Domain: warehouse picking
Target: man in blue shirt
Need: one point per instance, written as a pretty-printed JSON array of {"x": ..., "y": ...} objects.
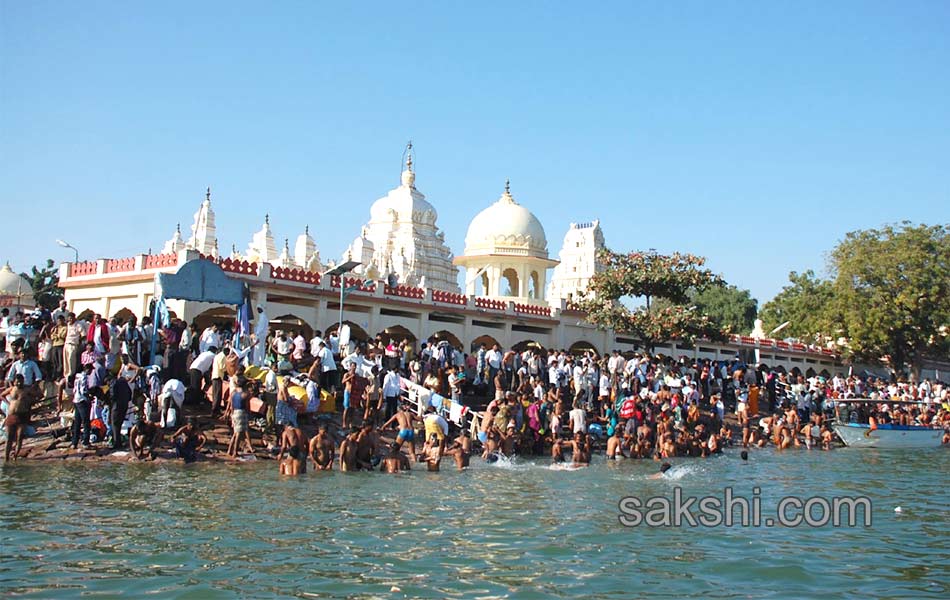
[{"x": 26, "y": 367}]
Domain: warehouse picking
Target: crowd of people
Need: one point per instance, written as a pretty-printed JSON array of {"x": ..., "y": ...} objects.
[{"x": 128, "y": 385}]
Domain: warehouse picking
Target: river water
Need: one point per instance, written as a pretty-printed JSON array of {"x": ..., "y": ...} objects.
[{"x": 519, "y": 530}]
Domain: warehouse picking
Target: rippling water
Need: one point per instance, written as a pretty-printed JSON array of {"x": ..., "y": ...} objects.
[{"x": 518, "y": 530}]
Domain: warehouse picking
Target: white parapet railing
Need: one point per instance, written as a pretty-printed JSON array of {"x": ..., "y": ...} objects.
[{"x": 420, "y": 398}]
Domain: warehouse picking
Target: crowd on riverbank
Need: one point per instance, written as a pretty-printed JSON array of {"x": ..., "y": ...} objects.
[{"x": 102, "y": 380}]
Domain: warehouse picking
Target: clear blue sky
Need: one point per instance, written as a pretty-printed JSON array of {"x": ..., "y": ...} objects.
[{"x": 756, "y": 134}]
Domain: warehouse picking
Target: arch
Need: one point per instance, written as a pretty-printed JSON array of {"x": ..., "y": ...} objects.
[
  {"x": 488, "y": 340},
  {"x": 509, "y": 277},
  {"x": 291, "y": 322},
  {"x": 356, "y": 332},
  {"x": 526, "y": 344},
  {"x": 534, "y": 286},
  {"x": 222, "y": 315},
  {"x": 779, "y": 369},
  {"x": 123, "y": 315},
  {"x": 795, "y": 371},
  {"x": 810, "y": 373},
  {"x": 581, "y": 346},
  {"x": 86, "y": 315},
  {"x": 825, "y": 373},
  {"x": 445, "y": 335},
  {"x": 397, "y": 333}
]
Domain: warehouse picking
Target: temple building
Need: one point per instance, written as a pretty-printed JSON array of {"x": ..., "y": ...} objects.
[
  {"x": 506, "y": 252},
  {"x": 402, "y": 239},
  {"x": 578, "y": 262},
  {"x": 406, "y": 284}
]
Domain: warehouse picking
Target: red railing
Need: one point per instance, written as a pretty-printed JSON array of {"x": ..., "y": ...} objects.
[
  {"x": 299, "y": 275},
  {"x": 490, "y": 304},
  {"x": 159, "y": 261},
  {"x": 448, "y": 297},
  {"x": 799, "y": 346},
  {"x": 531, "y": 309},
  {"x": 120, "y": 265},
  {"x": 405, "y": 291},
  {"x": 234, "y": 266},
  {"x": 82, "y": 268},
  {"x": 360, "y": 284}
]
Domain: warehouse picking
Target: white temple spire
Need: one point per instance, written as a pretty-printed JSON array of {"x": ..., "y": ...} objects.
[
  {"x": 202, "y": 229},
  {"x": 175, "y": 244},
  {"x": 262, "y": 248}
]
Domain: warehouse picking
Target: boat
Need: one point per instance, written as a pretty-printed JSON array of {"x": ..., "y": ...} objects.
[{"x": 884, "y": 435}]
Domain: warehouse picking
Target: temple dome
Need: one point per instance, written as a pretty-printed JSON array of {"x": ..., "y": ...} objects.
[
  {"x": 15, "y": 287},
  {"x": 405, "y": 202},
  {"x": 506, "y": 227}
]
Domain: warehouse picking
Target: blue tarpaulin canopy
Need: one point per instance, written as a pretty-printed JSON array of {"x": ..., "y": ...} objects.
[{"x": 201, "y": 281}]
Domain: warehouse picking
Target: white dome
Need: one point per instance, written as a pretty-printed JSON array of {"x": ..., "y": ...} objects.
[
  {"x": 15, "y": 287},
  {"x": 408, "y": 203},
  {"x": 506, "y": 227}
]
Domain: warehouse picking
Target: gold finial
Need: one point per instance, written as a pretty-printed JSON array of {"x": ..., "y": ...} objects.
[
  {"x": 507, "y": 186},
  {"x": 208, "y": 194},
  {"x": 266, "y": 219},
  {"x": 178, "y": 228},
  {"x": 233, "y": 248},
  {"x": 409, "y": 156}
]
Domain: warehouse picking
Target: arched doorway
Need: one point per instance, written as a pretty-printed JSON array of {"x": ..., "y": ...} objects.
[
  {"x": 396, "y": 333},
  {"x": 580, "y": 347},
  {"x": 488, "y": 340},
  {"x": 222, "y": 315},
  {"x": 357, "y": 333},
  {"x": 291, "y": 322},
  {"x": 85, "y": 315},
  {"x": 438, "y": 336},
  {"x": 528, "y": 344},
  {"x": 123, "y": 315}
]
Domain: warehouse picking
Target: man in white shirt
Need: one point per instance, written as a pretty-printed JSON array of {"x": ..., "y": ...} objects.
[
  {"x": 200, "y": 367},
  {"x": 315, "y": 344},
  {"x": 493, "y": 360},
  {"x": 327, "y": 368},
  {"x": 260, "y": 334},
  {"x": 172, "y": 391},
  {"x": 209, "y": 337},
  {"x": 578, "y": 419},
  {"x": 392, "y": 388}
]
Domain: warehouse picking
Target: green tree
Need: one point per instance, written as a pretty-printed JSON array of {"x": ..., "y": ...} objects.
[
  {"x": 807, "y": 303},
  {"x": 892, "y": 287},
  {"x": 651, "y": 277},
  {"x": 45, "y": 283},
  {"x": 731, "y": 309}
]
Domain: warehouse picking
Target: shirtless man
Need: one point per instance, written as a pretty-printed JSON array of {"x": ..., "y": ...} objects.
[
  {"x": 321, "y": 450},
  {"x": 372, "y": 399},
  {"x": 614, "y": 443},
  {"x": 644, "y": 440},
  {"x": 294, "y": 442},
  {"x": 403, "y": 420},
  {"x": 461, "y": 450},
  {"x": 145, "y": 434},
  {"x": 189, "y": 441},
  {"x": 348, "y": 451},
  {"x": 557, "y": 450},
  {"x": 348, "y": 382},
  {"x": 366, "y": 443},
  {"x": 663, "y": 469},
  {"x": 508, "y": 440},
  {"x": 17, "y": 418},
  {"x": 432, "y": 452},
  {"x": 396, "y": 462},
  {"x": 581, "y": 450}
]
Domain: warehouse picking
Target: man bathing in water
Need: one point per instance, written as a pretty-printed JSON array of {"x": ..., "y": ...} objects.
[
  {"x": 293, "y": 441},
  {"x": 461, "y": 450},
  {"x": 145, "y": 434},
  {"x": 321, "y": 450},
  {"x": 407, "y": 435},
  {"x": 432, "y": 452},
  {"x": 189, "y": 441},
  {"x": 581, "y": 450},
  {"x": 348, "y": 451},
  {"x": 366, "y": 443},
  {"x": 615, "y": 445},
  {"x": 395, "y": 462},
  {"x": 18, "y": 415},
  {"x": 663, "y": 469}
]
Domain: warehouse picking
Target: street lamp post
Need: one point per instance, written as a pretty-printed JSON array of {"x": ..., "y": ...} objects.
[
  {"x": 68, "y": 245},
  {"x": 340, "y": 269}
]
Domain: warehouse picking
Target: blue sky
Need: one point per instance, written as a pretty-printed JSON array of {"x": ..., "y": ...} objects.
[{"x": 756, "y": 134}]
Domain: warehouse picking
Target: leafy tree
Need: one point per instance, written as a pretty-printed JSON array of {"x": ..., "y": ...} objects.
[
  {"x": 892, "y": 287},
  {"x": 808, "y": 304},
  {"x": 731, "y": 309},
  {"x": 45, "y": 283},
  {"x": 650, "y": 276}
]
